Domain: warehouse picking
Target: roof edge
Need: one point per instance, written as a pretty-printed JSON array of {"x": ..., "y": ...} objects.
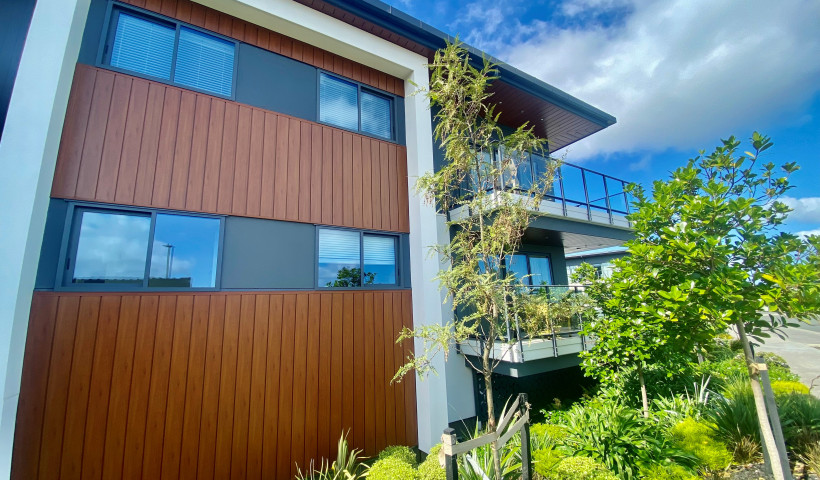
[{"x": 386, "y": 16}]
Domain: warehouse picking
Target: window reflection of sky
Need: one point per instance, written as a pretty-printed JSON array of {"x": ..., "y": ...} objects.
[
  {"x": 185, "y": 247},
  {"x": 112, "y": 247}
]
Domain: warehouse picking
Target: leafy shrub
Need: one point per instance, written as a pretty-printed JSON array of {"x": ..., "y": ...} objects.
[
  {"x": 811, "y": 457},
  {"x": 697, "y": 438},
  {"x": 581, "y": 468},
  {"x": 545, "y": 460},
  {"x": 668, "y": 472},
  {"x": 477, "y": 464},
  {"x": 734, "y": 420},
  {"x": 785, "y": 387},
  {"x": 430, "y": 468},
  {"x": 546, "y": 435},
  {"x": 347, "y": 465},
  {"x": 391, "y": 468},
  {"x": 735, "y": 368},
  {"x": 400, "y": 452},
  {"x": 800, "y": 417},
  {"x": 610, "y": 432}
]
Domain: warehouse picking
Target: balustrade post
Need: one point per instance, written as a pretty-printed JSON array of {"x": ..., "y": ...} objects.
[
  {"x": 450, "y": 462},
  {"x": 526, "y": 460}
]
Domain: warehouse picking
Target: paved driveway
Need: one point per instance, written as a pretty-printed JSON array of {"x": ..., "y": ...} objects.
[{"x": 801, "y": 348}]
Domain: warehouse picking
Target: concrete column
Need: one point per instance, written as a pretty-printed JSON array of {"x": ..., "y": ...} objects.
[
  {"x": 425, "y": 231},
  {"x": 28, "y": 153}
]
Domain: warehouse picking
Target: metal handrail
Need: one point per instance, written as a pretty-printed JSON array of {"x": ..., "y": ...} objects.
[{"x": 589, "y": 204}]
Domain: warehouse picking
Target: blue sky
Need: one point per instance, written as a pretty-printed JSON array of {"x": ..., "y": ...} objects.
[{"x": 679, "y": 75}]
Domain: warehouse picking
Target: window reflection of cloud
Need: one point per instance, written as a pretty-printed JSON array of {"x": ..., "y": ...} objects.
[{"x": 112, "y": 246}]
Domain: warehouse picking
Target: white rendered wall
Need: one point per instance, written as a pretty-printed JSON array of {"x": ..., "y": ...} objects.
[
  {"x": 28, "y": 153},
  {"x": 315, "y": 28}
]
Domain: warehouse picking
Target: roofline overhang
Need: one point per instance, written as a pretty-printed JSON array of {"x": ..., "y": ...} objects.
[{"x": 413, "y": 29}]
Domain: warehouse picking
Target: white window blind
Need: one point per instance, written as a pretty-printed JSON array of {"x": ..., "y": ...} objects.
[
  {"x": 204, "y": 62},
  {"x": 376, "y": 115},
  {"x": 338, "y": 102},
  {"x": 143, "y": 46},
  {"x": 380, "y": 258}
]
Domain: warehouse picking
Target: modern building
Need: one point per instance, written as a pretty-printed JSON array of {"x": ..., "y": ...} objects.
[
  {"x": 210, "y": 238},
  {"x": 600, "y": 259}
]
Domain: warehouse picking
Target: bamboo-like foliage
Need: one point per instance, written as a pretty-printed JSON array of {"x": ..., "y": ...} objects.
[{"x": 478, "y": 179}]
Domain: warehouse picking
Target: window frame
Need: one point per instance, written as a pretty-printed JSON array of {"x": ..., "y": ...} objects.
[
  {"x": 112, "y": 13},
  {"x": 527, "y": 254},
  {"x": 359, "y": 88},
  {"x": 69, "y": 243},
  {"x": 376, "y": 286}
]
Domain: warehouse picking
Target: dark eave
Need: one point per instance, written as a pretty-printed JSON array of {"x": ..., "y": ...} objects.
[{"x": 555, "y": 114}]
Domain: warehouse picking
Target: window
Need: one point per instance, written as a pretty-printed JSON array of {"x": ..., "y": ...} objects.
[
  {"x": 171, "y": 52},
  {"x": 533, "y": 270},
  {"x": 136, "y": 249},
  {"x": 348, "y": 105},
  {"x": 343, "y": 252}
]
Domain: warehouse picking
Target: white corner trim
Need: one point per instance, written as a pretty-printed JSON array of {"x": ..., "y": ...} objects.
[{"x": 28, "y": 153}]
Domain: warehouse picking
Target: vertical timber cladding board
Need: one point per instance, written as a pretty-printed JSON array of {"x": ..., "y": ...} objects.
[
  {"x": 132, "y": 141},
  {"x": 208, "y": 385},
  {"x": 224, "y": 24}
]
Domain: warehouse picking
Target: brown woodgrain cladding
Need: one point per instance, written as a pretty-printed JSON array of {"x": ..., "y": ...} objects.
[
  {"x": 132, "y": 141},
  {"x": 224, "y": 24},
  {"x": 208, "y": 385}
]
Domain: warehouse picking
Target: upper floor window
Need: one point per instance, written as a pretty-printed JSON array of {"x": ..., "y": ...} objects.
[
  {"x": 348, "y": 105},
  {"x": 135, "y": 249},
  {"x": 169, "y": 51},
  {"x": 349, "y": 258}
]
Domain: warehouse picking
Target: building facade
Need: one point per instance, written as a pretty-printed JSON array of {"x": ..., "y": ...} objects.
[{"x": 212, "y": 240}]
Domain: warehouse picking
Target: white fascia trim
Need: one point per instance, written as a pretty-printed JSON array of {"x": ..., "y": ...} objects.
[
  {"x": 315, "y": 28},
  {"x": 323, "y": 31}
]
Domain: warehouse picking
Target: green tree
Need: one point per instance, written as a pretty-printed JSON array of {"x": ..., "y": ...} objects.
[
  {"x": 708, "y": 254},
  {"x": 477, "y": 180}
]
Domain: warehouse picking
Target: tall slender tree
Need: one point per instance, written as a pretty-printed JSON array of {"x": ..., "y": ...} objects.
[{"x": 487, "y": 208}]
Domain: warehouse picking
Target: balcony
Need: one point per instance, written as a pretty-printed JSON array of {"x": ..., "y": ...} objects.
[
  {"x": 576, "y": 193},
  {"x": 556, "y": 333}
]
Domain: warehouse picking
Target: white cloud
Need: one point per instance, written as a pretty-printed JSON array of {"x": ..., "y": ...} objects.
[
  {"x": 805, "y": 210},
  {"x": 807, "y": 233},
  {"x": 676, "y": 74}
]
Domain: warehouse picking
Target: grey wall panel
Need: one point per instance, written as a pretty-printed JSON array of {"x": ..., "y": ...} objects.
[
  {"x": 52, "y": 241},
  {"x": 16, "y": 17},
  {"x": 92, "y": 36},
  {"x": 401, "y": 137},
  {"x": 273, "y": 82},
  {"x": 268, "y": 254}
]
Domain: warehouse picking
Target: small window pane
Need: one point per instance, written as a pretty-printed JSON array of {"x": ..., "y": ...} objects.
[
  {"x": 541, "y": 272},
  {"x": 339, "y": 258},
  {"x": 379, "y": 260},
  {"x": 376, "y": 115},
  {"x": 184, "y": 254},
  {"x": 111, "y": 248},
  {"x": 204, "y": 62},
  {"x": 143, "y": 46},
  {"x": 338, "y": 102},
  {"x": 517, "y": 265}
]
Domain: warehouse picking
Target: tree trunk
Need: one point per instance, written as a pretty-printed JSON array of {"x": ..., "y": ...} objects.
[
  {"x": 644, "y": 399},
  {"x": 488, "y": 388},
  {"x": 760, "y": 406}
]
